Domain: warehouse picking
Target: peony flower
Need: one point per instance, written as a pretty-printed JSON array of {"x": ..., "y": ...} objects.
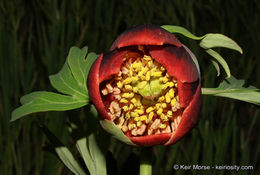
[{"x": 146, "y": 89}]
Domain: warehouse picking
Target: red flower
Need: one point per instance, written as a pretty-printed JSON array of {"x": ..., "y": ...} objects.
[{"x": 147, "y": 88}]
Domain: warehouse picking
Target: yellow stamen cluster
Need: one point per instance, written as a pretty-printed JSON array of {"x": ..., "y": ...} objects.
[{"x": 139, "y": 115}]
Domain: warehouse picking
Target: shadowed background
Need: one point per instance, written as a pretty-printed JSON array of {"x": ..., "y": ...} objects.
[{"x": 35, "y": 37}]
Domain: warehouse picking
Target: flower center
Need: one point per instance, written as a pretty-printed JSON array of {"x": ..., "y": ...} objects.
[{"x": 142, "y": 99}]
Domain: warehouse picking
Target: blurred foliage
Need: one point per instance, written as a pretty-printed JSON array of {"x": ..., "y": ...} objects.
[{"x": 35, "y": 37}]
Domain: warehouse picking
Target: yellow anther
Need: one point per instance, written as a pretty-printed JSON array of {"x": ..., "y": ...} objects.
[
  {"x": 145, "y": 70},
  {"x": 164, "y": 117},
  {"x": 148, "y": 76},
  {"x": 137, "y": 119},
  {"x": 150, "y": 116},
  {"x": 139, "y": 111},
  {"x": 137, "y": 64},
  {"x": 156, "y": 74},
  {"x": 143, "y": 77},
  {"x": 131, "y": 72},
  {"x": 159, "y": 111},
  {"x": 171, "y": 84},
  {"x": 164, "y": 86},
  {"x": 131, "y": 126},
  {"x": 131, "y": 106},
  {"x": 125, "y": 108},
  {"x": 134, "y": 79},
  {"x": 169, "y": 113},
  {"x": 127, "y": 80},
  {"x": 147, "y": 58},
  {"x": 150, "y": 109},
  {"x": 162, "y": 68},
  {"x": 134, "y": 114},
  {"x": 142, "y": 84},
  {"x": 154, "y": 69},
  {"x": 127, "y": 116},
  {"x": 135, "y": 89},
  {"x": 128, "y": 87},
  {"x": 126, "y": 95},
  {"x": 171, "y": 93},
  {"x": 162, "y": 126},
  {"x": 150, "y": 64},
  {"x": 133, "y": 100},
  {"x": 119, "y": 85},
  {"x": 173, "y": 102},
  {"x": 177, "y": 98},
  {"x": 158, "y": 105},
  {"x": 143, "y": 118},
  {"x": 163, "y": 79},
  {"x": 167, "y": 98},
  {"x": 123, "y": 100},
  {"x": 161, "y": 99},
  {"x": 131, "y": 95},
  {"x": 124, "y": 128},
  {"x": 139, "y": 123},
  {"x": 164, "y": 105}
]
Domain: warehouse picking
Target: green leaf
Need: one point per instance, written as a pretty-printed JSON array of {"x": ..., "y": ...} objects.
[
  {"x": 42, "y": 101},
  {"x": 71, "y": 81},
  {"x": 212, "y": 40},
  {"x": 233, "y": 88},
  {"x": 115, "y": 131},
  {"x": 63, "y": 152},
  {"x": 69, "y": 161},
  {"x": 93, "y": 147},
  {"x": 181, "y": 30},
  {"x": 221, "y": 61},
  {"x": 215, "y": 64}
]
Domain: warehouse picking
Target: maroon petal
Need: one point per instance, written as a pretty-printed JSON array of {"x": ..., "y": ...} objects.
[
  {"x": 93, "y": 88},
  {"x": 151, "y": 140},
  {"x": 145, "y": 35},
  {"x": 189, "y": 117},
  {"x": 111, "y": 64},
  {"x": 186, "y": 92},
  {"x": 177, "y": 62}
]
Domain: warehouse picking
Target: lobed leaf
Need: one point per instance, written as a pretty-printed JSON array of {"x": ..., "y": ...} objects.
[
  {"x": 71, "y": 80},
  {"x": 233, "y": 88}
]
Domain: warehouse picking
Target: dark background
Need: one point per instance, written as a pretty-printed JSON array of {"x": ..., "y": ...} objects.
[{"x": 35, "y": 37}]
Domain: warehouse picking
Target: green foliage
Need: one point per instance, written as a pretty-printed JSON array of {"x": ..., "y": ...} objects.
[
  {"x": 63, "y": 153},
  {"x": 90, "y": 147},
  {"x": 71, "y": 80},
  {"x": 208, "y": 42},
  {"x": 233, "y": 88},
  {"x": 181, "y": 30}
]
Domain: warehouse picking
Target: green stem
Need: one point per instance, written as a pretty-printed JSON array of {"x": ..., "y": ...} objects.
[{"x": 146, "y": 161}]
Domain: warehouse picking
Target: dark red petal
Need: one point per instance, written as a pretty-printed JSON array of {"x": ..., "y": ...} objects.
[
  {"x": 186, "y": 92},
  {"x": 111, "y": 64},
  {"x": 189, "y": 117},
  {"x": 177, "y": 63},
  {"x": 145, "y": 35},
  {"x": 93, "y": 88},
  {"x": 151, "y": 140}
]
